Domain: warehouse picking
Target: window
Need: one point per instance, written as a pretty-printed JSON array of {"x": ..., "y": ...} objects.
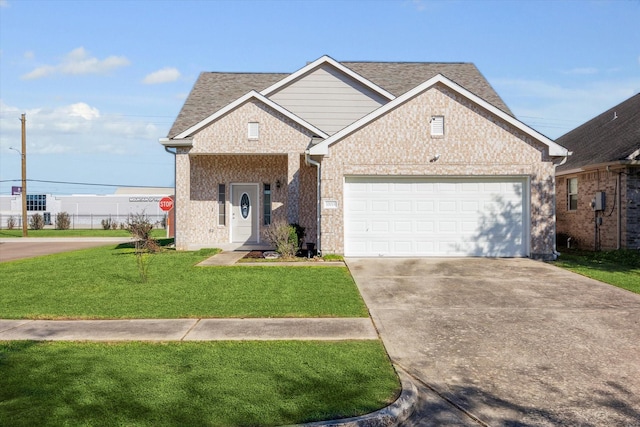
[
  {"x": 266, "y": 203},
  {"x": 572, "y": 191},
  {"x": 222, "y": 207},
  {"x": 437, "y": 125},
  {"x": 254, "y": 130},
  {"x": 36, "y": 202}
]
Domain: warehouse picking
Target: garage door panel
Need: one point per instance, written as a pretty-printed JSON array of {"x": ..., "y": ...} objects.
[
  {"x": 380, "y": 206},
  {"x": 425, "y": 226},
  {"x": 402, "y": 206},
  {"x": 380, "y": 226},
  {"x": 403, "y": 226},
  {"x": 435, "y": 217},
  {"x": 447, "y": 206}
]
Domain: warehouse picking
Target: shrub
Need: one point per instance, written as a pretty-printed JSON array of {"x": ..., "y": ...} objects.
[
  {"x": 299, "y": 231},
  {"x": 63, "y": 221},
  {"x": 284, "y": 238},
  {"x": 11, "y": 222},
  {"x": 106, "y": 224},
  {"x": 36, "y": 222}
]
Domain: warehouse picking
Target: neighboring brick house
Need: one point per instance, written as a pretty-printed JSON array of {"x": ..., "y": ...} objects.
[
  {"x": 598, "y": 203},
  {"x": 372, "y": 158}
]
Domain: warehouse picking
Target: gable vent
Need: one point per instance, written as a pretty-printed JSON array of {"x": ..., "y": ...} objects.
[
  {"x": 437, "y": 125},
  {"x": 254, "y": 130}
]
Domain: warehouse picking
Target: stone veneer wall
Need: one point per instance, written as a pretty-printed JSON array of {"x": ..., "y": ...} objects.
[
  {"x": 475, "y": 143},
  {"x": 580, "y": 224},
  {"x": 222, "y": 153}
]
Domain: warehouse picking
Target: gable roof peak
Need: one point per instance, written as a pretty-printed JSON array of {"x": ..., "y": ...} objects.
[{"x": 326, "y": 59}]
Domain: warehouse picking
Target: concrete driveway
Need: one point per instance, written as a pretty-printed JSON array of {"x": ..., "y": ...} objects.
[
  {"x": 507, "y": 342},
  {"x": 30, "y": 247}
]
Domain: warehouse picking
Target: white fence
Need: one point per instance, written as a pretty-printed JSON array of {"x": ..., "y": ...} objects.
[{"x": 80, "y": 221}]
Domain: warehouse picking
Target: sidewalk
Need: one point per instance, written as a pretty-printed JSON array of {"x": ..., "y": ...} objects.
[{"x": 324, "y": 329}]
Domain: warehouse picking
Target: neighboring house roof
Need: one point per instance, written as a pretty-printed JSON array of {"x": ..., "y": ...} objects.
[
  {"x": 321, "y": 148},
  {"x": 213, "y": 91},
  {"x": 613, "y": 136}
]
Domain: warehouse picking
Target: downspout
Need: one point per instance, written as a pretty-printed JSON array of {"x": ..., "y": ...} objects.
[
  {"x": 555, "y": 252},
  {"x": 619, "y": 201},
  {"x": 175, "y": 196},
  {"x": 309, "y": 161}
]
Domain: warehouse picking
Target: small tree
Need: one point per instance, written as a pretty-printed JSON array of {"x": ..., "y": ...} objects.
[
  {"x": 36, "y": 222},
  {"x": 11, "y": 222},
  {"x": 106, "y": 224},
  {"x": 63, "y": 221},
  {"x": 140, "y": 228}
]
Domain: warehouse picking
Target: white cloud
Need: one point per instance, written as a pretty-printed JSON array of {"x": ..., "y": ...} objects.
[
  {"x": 74, "y": 128},
  {"x": 4, "y": 3},
  {"x": 164, "y": 75},
  {"x": 78, "y": 62}
]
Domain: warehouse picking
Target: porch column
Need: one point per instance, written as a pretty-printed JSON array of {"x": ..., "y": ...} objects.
[
  {"x": 183, "y": 195},
  {"x": 293, "y": 188}
]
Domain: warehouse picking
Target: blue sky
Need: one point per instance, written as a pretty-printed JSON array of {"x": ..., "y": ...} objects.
[{"x": 101, "y": 81}]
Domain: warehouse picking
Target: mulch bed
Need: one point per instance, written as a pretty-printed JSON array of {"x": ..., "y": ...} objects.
[{"x": 254, "y": 254}]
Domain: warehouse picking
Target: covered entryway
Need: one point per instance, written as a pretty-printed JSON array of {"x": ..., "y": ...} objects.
[
  {"x": 244, "y": 213},
  {"x": 430, "y": 216}
]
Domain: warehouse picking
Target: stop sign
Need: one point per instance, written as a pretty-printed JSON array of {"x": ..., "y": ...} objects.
[{"x": 166, "y": 203}]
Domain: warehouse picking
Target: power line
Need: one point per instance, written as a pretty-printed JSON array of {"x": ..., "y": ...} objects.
[{"x": 83, "y": 183}]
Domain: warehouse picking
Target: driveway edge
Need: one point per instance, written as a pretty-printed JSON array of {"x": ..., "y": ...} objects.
[{"x": 392, "y": 415}]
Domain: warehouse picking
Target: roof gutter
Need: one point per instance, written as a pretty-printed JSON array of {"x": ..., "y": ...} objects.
[
  {"x": 175, "y": 143},
  {"x": 621, "y": 163}
]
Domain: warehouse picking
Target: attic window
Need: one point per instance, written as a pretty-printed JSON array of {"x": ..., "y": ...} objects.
[
  {"x": 254, "y": 130},
  {"x": 437, "y": 125}
]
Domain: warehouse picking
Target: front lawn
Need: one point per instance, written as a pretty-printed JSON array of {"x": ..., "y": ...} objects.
[
  {"x": 189, "y": 384},
  {"x": 619, "y": 268},
  {"x": 104, "y": 283}
]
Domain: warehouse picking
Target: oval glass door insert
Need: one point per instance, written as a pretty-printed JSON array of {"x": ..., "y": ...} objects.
[{"x": 245, "y": 206}]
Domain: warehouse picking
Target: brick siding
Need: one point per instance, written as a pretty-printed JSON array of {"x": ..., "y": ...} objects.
[{"x": 580, "y": 224}]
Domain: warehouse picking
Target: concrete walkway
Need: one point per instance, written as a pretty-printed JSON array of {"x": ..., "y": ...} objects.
[{"x": 324, "y": 329}]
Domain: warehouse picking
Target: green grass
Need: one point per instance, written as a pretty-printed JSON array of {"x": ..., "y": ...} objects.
[
  {"x": 191, "y": 384},
  {"x": 156, "y": 233},
  {"x": 103, "y": 283},
  {"x": 618, "y": 268}
]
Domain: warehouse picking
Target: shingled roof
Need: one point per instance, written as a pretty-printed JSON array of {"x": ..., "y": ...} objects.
[
  {"x": 214, "y": 90},
  {"x": 610, "y": 137}
]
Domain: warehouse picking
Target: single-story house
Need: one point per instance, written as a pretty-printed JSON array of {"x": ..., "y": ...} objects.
[
  {"x": 598, "y": 203},
  {"x": 371, "y": 158}
]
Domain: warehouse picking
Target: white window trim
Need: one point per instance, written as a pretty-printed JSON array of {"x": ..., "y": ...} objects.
[
  {"x": 569, "y": 194},
  {"x": 253, "y": 130},
  {"x": 436, "y": 125}
]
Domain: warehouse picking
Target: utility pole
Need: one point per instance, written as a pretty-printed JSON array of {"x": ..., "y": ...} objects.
[{"x": 24, "y": 175}]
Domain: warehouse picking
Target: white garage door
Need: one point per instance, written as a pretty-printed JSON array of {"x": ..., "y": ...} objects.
[{"x": 436, "y": 217}]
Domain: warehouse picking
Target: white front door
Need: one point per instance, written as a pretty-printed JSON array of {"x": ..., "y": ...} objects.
[{"x": 244, "y": 213}]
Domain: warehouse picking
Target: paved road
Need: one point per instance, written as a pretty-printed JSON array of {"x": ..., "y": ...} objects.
[
  {"x": 19, "y": 248},
  {"x": 510, "y": 342}
]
